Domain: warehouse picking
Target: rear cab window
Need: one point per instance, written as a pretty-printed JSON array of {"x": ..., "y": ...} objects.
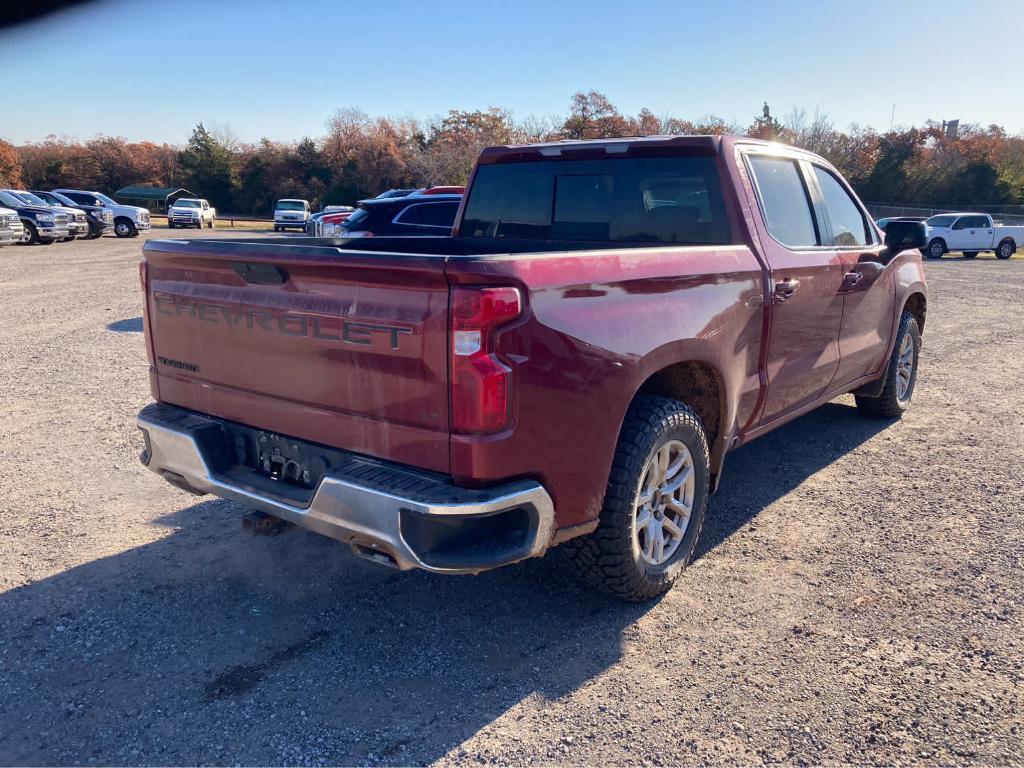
[
  {"x": 785, "y": 200},
  {"x": 672, "y": 199}
]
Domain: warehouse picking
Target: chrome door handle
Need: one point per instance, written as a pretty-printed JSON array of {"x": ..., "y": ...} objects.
[
  {"x": 784, "y": 289},
  {"x": 850, "y": 279}
]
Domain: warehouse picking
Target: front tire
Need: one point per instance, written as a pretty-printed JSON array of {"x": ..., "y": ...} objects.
[
  {"x": 654, "y": 505},
  {"x": 936, "y": 248},
  {"x": 1005, "y": 249},
  {"x": 125, "y": 228},
  {"x": 30, "y": 235},
  {"x": 900, "y": 375}
]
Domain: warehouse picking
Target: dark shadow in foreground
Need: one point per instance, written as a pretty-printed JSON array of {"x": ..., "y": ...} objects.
[
  {"x": 131, "y": 325},
  {"x": 205, "y": 646}
]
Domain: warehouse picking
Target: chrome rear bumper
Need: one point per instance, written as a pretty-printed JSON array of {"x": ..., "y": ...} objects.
[{"x": 440, "y": 527}]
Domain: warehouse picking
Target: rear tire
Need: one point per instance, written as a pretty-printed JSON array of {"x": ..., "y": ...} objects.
[
  {"x": 900, "y": 379},
  {"x": 125, "y": 228},
  {"x": 662, "y": 444},
  {"x": 935, "y": 249},
  {"x": 1005, "y": 249}
]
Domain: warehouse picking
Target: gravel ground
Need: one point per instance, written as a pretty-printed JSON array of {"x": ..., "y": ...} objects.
[{"x": 858, "y": 595}]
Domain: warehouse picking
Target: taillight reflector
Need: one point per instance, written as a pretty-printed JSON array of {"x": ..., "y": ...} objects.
[{"x": 480, "y": 382}]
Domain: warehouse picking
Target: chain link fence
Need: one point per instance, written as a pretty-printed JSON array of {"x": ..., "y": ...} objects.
[{"x": 1001, "y": 214}]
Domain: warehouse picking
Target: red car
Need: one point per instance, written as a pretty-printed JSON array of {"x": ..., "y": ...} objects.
[{"x": 609, "y": 319}]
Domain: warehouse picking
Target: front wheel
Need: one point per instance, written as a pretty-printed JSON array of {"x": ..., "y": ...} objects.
[
  {"x": 654, "y": 505},
  {"x": 1005, "y": 250},
  {"x": 900, "y": 375},
  {"x": 936, "y": 248},
  {"x": 124, "y": 228},
  {"x": 29, "y": 234}
]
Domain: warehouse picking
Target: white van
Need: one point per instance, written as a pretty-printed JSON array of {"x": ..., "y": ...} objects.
[{"x": 290, "y": 213}]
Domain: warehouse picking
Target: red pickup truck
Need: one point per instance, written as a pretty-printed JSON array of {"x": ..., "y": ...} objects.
[{"x": 607, "y": 321}]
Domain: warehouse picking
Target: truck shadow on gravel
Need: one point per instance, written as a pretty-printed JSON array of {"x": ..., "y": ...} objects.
[{"x": 206, "y": 646}]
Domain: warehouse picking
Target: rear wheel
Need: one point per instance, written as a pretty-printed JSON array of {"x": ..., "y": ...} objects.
[
  {"x": 936, "y": 248},
  {"x": 1005, "y": 249},
  {"x": 970, "y": 254},
  {"x": 654, "y": 506},
  {"x": 900, "y": 376},
  {"x": 125, "y": 228}
]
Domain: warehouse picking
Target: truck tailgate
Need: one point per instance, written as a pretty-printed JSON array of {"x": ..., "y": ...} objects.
[{"x": 340, "y": 348}]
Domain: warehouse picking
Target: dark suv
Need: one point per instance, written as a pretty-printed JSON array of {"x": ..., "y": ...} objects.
[{"x": 403, "y": 216}]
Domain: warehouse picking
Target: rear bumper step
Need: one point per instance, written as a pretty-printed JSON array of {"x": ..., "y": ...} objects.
[{"x": 385, "y": 512}]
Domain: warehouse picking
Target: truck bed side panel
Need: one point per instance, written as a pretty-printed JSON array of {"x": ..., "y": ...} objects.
[{"x": 598, "y": 324}]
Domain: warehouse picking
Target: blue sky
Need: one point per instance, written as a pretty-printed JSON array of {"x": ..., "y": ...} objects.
[{"x": 151, "y": 70}]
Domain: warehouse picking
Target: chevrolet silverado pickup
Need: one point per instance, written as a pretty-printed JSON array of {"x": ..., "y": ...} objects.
[{"x": 571, "y": 367}]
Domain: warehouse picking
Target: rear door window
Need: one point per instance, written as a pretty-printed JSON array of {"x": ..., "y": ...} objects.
[
  {"x": 785, "y": 202},
  {"x": 429, "y": 215},
  {"x": 847, "y": 224},
  {"x": 638, "y": 199}
]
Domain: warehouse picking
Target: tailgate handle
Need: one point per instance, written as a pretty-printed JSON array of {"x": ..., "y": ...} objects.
[{"x": 261, "y": 274}]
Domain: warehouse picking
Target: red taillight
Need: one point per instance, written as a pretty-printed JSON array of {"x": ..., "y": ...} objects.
[{"x": 480, "y": 382}]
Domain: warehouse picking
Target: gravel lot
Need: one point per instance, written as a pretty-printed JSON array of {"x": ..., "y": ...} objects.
[{"x": 858, "y": 596}]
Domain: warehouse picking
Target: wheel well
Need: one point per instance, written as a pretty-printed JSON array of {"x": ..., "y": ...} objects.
[
  {"x": 917, "y": 305},
  {"x": 695, "y": 384}
]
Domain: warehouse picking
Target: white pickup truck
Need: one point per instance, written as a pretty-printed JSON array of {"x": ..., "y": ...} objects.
[
  {"x": 191, "y": 212},
  {"x": 970, "y": 233}
]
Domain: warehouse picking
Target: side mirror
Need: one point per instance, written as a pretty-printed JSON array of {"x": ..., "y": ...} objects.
[{"x": 903, "y": 235}]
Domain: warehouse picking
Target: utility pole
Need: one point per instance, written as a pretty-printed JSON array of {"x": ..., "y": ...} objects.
[{"x": 892, "y": 117}]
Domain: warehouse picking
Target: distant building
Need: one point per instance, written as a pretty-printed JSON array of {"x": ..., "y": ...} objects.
[{"x": 157, "y": 199}]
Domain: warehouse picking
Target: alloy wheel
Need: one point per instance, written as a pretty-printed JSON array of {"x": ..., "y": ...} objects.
[
  {"x": 905, "y": 368},
  {"x": 664, "y": 503}
]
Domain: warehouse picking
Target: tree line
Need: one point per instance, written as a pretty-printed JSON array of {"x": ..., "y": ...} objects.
[{"x": 360, "y": 156}]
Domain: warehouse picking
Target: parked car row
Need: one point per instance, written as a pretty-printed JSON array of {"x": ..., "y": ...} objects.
[
  {"x": 38, "y": 216},
  {"x": 429, "y": 211},
  {"x": 969, "y": 233}
]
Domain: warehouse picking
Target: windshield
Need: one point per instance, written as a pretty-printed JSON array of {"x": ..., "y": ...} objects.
[
  {"x": 941, "y": 221},
  {"x": 59, "y": 199},
  {"x": 186, "y": 204},
  {"x": 356, "y": 221},
  {"x": 11, "y": 200},
  {"x": 637, "y": 199},
  {"x": 104, "y": 198},
  {"x": 31, "y": 199},
  {"x": 291, "y": 205}
]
